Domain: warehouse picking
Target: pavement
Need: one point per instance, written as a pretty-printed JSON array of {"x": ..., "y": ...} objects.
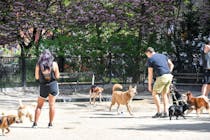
[{"x": 82, "y": 121}]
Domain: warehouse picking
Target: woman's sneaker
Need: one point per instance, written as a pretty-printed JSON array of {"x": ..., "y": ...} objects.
[
  {"x": 34, "y": 125},
  {"x": 50, "y": 125},
  {"x": 157, "y": 115}
]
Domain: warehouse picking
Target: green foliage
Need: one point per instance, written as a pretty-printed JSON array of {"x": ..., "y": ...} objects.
[
  {"x": 95, "y": 29},
  {"x": 61, "y": 45}
]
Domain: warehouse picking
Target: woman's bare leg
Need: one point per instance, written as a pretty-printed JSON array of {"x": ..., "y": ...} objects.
[
  {"x": 40, "y": 103},
  {"x": 51, "y": 108}
]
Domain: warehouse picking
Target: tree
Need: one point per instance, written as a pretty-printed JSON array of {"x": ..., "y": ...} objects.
[
  {"x": 204, "y": 18},
  {"x": 22, "y": 21},
  {"x": 192, "y": 19}
]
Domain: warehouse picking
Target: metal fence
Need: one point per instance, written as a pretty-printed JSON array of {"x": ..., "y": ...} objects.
[
  {"x": 11, "y": 71},
  {"x": 106, "y": 69}
]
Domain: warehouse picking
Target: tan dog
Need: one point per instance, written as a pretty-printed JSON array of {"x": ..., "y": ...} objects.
[
  {"x": 6, "y": 121},
  {"x": 198, "y": 103},
  {"x": 26, "y": 111},
  {"x": 95, "y": 92},
  {"x": 122, "y": 97}
]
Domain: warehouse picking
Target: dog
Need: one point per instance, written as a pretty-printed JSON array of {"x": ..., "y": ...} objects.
[
  {"x": 177, "y": 110},
  {"x": 25, "y": 111},
  {"x": 176, "y": 96},
  {"x": 95, "y": 91},
  {"x": 6, "y": 121},
  {"x": 122, "y": 97},
  {"x": 179, "y": 104},
  {"x": 198, "y": 103}
]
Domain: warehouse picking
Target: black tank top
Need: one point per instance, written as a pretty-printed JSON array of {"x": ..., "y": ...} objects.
[{"x": 42, "y": 79}]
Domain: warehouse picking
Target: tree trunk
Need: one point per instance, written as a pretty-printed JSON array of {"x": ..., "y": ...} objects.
[
  {"x": 61, "y": 63},
  {"x": 137, "y": 60},
  {"x": 23, "y": 67}
]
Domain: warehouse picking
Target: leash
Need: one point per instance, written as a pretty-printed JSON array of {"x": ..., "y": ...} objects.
[
  {"x": 173, "y": 94},
  {"x": 176, "y": 101}
]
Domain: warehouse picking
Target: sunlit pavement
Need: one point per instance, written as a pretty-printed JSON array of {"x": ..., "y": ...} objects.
[{"x": 82, "y": 121}]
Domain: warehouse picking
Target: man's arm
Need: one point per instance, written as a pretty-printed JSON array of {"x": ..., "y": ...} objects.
[
  {"x": 150, "y": 78},
  {"x": 171, "y": 65}
]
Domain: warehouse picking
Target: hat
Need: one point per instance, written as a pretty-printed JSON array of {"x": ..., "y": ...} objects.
[{"x": 150, "y": 49}]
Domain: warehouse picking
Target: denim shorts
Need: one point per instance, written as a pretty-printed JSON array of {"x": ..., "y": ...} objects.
[{"x": 49, "y": 88}]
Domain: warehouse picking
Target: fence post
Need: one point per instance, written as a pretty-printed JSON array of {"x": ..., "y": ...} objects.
[
  {"x": 93, "y": 80},
  {"x": 110, "y": 67}
]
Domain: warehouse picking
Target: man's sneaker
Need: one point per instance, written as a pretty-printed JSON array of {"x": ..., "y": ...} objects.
[
  {"x": 164, "y": 115},
  {"x": 50, "y": 125},
  {"x": 157, "y": 115},
  {"x": 34, "y": 125}
]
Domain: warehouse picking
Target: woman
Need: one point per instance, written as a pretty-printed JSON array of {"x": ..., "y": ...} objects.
[{"x": 47, "y": 73}]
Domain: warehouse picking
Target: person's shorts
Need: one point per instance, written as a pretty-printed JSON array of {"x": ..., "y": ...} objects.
[
  {"x": 206, "y": 77},
  {"x": 162, "y": 83},
  {"x": 49, "y": 88}
]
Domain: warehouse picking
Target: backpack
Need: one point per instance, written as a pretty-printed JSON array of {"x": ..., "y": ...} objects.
[{"x": 46, "y": 72}]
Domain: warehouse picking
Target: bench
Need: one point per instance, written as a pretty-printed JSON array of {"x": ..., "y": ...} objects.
[
  {"x": 184, "y": 79},
  {"x": 70, "y": 81},
  {"x": 188, "y": 78}
]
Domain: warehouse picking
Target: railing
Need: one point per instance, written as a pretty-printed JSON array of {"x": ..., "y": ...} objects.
[
  {"x": 79, "y": 70},
  {"x": 73, "y": 69},
  {"x": 11, "y": 71}
]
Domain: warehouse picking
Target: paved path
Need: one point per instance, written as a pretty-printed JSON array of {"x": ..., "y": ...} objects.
[{"x": 82, "y": 121}]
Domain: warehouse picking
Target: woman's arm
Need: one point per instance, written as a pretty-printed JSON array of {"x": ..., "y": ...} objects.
[
  {"x": 56, "y": 70},
  {"x": 37, "y": 72}
]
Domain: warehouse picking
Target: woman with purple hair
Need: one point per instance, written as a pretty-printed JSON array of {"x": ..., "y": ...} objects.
[{"x": 47, "y": 73}]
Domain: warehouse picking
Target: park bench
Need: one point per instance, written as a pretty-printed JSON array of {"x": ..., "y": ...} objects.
[
  {"x": 188, "y": 78},
  {"x": 71, "y": 81},
  {"x": 184, "y": 79}
]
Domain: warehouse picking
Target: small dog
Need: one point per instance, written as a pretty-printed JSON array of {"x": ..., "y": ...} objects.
[
  {"x": 198, "y": 102},
  {"x": 177, "y": 110},
  {"x": 179, "y": 105},
  {"x": 122, "y": 97},
  {"x": 95, "y": 92},
  {"x": 176, "y": 96},
  {"x": 6, "y": 121},
  {"x": 26, "y": 111}
]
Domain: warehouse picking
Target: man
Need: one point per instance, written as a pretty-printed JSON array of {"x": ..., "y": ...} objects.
[
  {"x": 206, "y": 66},
  {"x": 162, "y": 66}
]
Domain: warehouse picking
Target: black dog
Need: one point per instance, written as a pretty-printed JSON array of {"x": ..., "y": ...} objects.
[
  {"x": 176, "y": 96},
  {"x": 179, "y": 105},
  {"x": 177, "y": 110}
]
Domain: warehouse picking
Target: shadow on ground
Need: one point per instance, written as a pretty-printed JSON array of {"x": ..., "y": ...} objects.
[{"x": 197, "y": 127}]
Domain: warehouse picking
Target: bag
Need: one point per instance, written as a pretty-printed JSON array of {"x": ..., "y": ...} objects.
[{"x": 46, "y": 74}]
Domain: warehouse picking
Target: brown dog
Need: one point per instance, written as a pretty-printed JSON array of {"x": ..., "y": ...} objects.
[
  {"x": 6, "y": 121},
  {"x": 122, "y": 97},
  {"x": 95, "y": 92},
  {"x": 198, "y": 102},
  {"x": 26, "y": 111}
]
